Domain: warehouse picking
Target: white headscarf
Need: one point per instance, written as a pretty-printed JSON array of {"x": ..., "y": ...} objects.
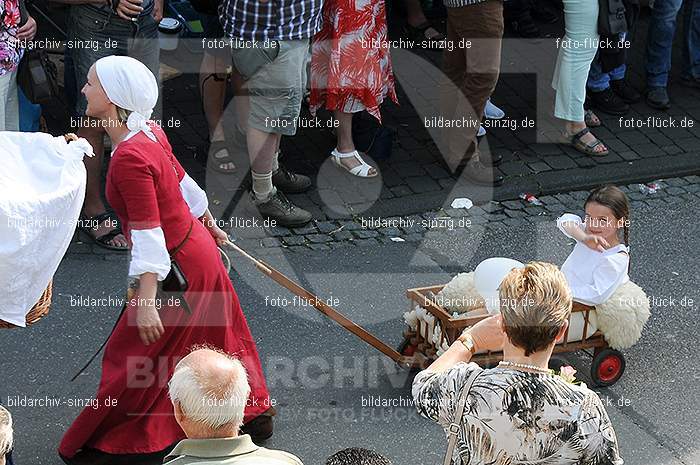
[{"x": 129, "y": 84}]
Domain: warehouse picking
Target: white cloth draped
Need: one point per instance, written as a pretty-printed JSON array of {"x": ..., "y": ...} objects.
[{"x": 42, "y": 188}]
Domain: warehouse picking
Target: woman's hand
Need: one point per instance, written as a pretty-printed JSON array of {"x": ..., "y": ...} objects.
[
  {"x": 487, "y": 334},
  {"x": 595, "y": 242},
  {"x": 148, "y": 322},
  {"x": 219, "y": 235},
  {"x": 216, "y": 232},
  {"x": 28, "y": 31}
]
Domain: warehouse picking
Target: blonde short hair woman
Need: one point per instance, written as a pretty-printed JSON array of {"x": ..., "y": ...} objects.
[{"x": 519, "y": 411}]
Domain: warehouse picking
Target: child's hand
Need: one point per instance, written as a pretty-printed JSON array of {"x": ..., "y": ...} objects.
[{"x": 596, "y": 242}]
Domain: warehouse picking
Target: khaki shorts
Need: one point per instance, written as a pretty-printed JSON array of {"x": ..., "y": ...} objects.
[{"x": 275, "y": 75}]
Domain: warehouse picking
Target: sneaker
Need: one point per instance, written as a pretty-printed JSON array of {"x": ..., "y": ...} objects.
[
  {"x": 481, "y": 132},
  {"x": 481, "y": 174},
  {"x": 280, "y": 209},
  {"x": 608, "y": 102},
  {"x": 290, "y": 183},
  {"x": 625, "y": 91},
  {"x": 491, "y": 111},
  {"x": 657, "y": 97},
  {"x": 525, "y": 27}
]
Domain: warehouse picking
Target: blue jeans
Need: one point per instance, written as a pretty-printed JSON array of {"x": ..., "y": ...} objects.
[
  {"x": 599, "y": 81},
  {"x": 662, "y": 27}
]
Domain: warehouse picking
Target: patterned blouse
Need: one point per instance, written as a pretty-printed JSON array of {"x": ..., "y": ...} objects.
[
  {"x": 514, "y": 417},
  {"x": 10, "y": 51}
]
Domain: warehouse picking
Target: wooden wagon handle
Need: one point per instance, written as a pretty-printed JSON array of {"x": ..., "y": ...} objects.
[{"x": 324, "y": 308}]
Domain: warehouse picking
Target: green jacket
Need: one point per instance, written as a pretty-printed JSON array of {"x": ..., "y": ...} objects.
[{"x": 239, "y": 451}]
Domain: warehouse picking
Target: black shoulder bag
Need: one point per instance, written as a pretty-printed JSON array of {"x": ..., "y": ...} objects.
[
  {"x": 36, "y": 73},
  {"x": 612, "y": 19}
]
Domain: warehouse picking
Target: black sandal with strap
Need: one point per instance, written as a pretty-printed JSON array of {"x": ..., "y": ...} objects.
[
  {"x": 103, "y": 240},
  {"x": 587, "y": 149}
]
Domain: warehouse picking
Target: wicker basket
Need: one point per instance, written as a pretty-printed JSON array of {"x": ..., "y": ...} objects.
[{"x": 38, "y": 311}]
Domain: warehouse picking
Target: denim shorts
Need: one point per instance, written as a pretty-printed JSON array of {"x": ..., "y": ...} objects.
[
  {"x": 94, "y": 34},
  {"x": 275, "y": 75}
]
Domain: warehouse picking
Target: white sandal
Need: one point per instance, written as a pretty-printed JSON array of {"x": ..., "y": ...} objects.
[{"x": 361, "y": 170}]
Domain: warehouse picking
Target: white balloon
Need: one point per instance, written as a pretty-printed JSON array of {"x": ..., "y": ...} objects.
[{"x": 488, "y": 276}]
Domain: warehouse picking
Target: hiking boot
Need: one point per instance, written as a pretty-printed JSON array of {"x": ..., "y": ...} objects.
[
  {"x": 657, "y": 97},
  {"x": 290, "y": 183},
  {"x": 284, "y": 212},
  {"x": 625, "y": 91},
  {"x": 481, "y": 174},
  {"x": 608, "y": 102}
]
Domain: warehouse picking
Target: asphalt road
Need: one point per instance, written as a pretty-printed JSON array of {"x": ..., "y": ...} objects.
[{"x": 322, "y": 376}]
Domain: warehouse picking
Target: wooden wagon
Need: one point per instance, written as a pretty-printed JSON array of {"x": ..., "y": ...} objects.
[{"x": 424, "y": 342}]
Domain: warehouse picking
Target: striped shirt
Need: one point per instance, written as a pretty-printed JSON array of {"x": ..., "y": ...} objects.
[{"x": 271, "y": 19}]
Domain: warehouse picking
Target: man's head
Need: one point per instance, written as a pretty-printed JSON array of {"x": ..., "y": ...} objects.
[
  {"x": 535, "y": 306},
  {"x": 209, "y": 390},
  {"x": 357, "y": 456},
  {"x": 6, "y": 435}
]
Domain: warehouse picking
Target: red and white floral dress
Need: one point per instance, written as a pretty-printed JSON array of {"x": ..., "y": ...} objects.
[{"x": 350, "y": 63}]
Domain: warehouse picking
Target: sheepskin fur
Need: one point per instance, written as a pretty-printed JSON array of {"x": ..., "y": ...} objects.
[
  {"x": 460, "y": 294},
  {"x": 622, "y": 318}
]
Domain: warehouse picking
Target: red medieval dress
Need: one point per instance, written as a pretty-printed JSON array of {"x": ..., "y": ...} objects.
[{"x": 145, "y": 193}]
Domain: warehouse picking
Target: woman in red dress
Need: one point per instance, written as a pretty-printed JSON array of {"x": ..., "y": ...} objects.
[
  {"x": 162, "y": 209},
  {"x": 351, "y": 72}
]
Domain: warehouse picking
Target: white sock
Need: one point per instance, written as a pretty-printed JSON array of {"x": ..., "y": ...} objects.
[
  {"x": 262, "y": 185},
  {"x": 275, "y": 161}
]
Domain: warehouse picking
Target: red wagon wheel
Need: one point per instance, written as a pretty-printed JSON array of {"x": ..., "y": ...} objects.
[{"x": 607, "y": 367}]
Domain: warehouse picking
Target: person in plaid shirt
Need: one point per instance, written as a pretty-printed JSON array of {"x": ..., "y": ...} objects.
[{"x": 270, "y": 51}]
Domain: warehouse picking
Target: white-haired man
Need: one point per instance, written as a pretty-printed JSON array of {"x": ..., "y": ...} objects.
[
  {"x": 6, "y": 436},
  {"x": 209, "y": 391}
]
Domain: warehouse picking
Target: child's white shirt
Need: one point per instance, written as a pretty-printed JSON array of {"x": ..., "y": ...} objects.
[{"x": 593, "y": 276}]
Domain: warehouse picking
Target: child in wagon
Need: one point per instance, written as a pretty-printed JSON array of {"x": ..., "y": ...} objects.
[{"x": 598, "y": 265}]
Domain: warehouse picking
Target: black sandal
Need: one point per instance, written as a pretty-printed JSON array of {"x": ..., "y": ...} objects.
[
  {"x": 103, "y": 240},
  {"x": 420, "y": 32},
  {"x": 587, "y": 149},
  {"x": 214, "y": 162}
]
